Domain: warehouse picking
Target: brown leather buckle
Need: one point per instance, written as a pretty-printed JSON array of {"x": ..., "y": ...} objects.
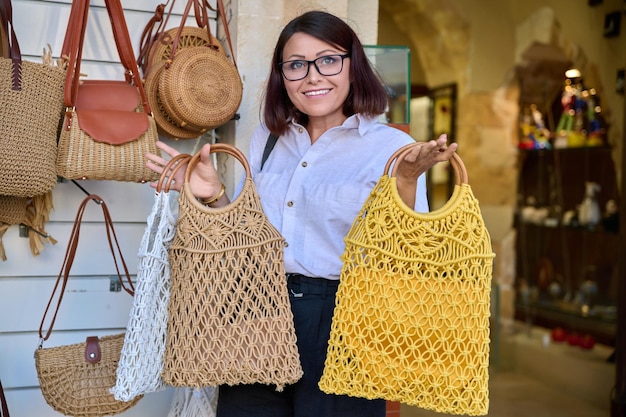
[{"x": 92, "y": 350}]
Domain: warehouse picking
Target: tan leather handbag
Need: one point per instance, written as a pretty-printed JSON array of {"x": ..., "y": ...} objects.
[{"x": 108, "y": 125}]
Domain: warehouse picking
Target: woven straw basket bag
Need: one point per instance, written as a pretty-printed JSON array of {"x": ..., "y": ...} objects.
[
  {"x": 76, "y": 379},
  {"x": 412, "y": 317},
  {"x": 230, "y": 320},
  {"x": 192, "y": 85},
  {"x": 109, "y": 125}
]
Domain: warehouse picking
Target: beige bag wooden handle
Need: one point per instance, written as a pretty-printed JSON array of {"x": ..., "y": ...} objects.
[
  {"x": 220, "y": 147},
  {"x": 174, "y": 165}
]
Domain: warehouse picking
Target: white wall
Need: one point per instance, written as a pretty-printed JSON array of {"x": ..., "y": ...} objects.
[{"x": 26, "y": 281}]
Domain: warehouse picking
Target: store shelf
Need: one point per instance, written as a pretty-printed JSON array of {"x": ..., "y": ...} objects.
[{"x": 566, "y": 274}]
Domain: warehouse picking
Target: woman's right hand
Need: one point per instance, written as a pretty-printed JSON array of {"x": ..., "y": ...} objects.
[{"x": 204, "y": 180}]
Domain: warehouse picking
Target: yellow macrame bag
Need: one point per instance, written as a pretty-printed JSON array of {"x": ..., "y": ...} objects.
[{"x": 411, "y": 322}]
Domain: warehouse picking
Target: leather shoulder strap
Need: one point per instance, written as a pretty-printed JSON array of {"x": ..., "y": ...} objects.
[
  {"x": 4, "y": 30},
  {"x": 12, "y": 46},
  {"x": 75, "y": 39},
  {"x": 64, "y": 274}
]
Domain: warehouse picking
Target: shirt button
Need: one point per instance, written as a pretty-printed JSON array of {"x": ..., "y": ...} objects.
[
  {"x": 304, "y": 164},
  {"x": 300, "y": 130},
  {"x": 290, "y": 204}
]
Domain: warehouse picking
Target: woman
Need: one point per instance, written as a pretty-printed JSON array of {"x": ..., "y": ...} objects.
[{"x": 322, "y": 102}]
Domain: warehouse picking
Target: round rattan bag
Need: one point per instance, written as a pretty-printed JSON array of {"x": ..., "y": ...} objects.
[
  {"x": 201, "y": 87},
  {"x": 165, "y": 124}
]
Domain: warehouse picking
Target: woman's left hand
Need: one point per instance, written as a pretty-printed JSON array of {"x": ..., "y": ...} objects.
[{"x": 419, "y": 160}]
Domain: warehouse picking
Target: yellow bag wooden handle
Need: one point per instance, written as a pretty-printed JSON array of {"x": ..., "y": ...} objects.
[{"x": 457, "y": 164}]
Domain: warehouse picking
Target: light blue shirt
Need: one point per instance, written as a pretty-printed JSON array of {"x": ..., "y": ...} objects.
[{"x": 313, "y": 193}]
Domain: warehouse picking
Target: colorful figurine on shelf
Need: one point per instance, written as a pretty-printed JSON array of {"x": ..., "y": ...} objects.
[
  {"x": 526, "y": 125},
  {"x": 535, "y": 135},
  {"x": 568, "y": 98},
  {"x": 542, "y": 134},
  {"x": 580, "y": 123},
  {"x": 577, "y": 136}
]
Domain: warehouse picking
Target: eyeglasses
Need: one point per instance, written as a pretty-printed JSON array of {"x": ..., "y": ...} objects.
[{"x": 298, "y": 69}]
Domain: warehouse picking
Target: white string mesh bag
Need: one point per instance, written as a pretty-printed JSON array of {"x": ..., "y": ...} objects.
[{"x": 141, "y": 361}]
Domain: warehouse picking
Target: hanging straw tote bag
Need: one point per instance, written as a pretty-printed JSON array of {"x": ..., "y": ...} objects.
[
  {"x": 76, "y": 379},
  {"x": 31, "y": 104},
  {"x": 141, "y": 361},
  {"x": 411, "y": 322},
  {"x": 31, "y": 107},
  {"x": 230, "y": 321}
]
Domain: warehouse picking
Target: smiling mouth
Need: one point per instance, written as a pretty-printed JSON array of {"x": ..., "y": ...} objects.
[{"x": 317, "y": 92}]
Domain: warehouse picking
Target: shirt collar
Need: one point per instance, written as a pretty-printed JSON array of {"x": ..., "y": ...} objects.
[
  {"x": 357, "y": 121},
  {"x": 364, "y": 123}
]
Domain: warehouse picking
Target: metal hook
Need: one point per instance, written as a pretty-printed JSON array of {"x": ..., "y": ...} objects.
[
  {"x": 86, "y": 192},
  {"x": 24, "y": 232}
]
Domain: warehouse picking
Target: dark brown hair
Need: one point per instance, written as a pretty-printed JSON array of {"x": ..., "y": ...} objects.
[{"x": 367, "y": 93}]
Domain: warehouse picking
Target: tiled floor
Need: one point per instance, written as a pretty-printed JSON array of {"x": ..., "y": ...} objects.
[{"x": 514, "y": 395}]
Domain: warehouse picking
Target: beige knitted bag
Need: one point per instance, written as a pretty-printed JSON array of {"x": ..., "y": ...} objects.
[{"x": 230, "y": 320}]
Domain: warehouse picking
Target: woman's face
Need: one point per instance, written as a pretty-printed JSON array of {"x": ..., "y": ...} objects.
[{"x": 318, "y": 96}]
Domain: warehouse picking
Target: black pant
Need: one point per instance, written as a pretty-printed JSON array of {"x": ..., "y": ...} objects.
[{"x": 312, "y": 303}]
